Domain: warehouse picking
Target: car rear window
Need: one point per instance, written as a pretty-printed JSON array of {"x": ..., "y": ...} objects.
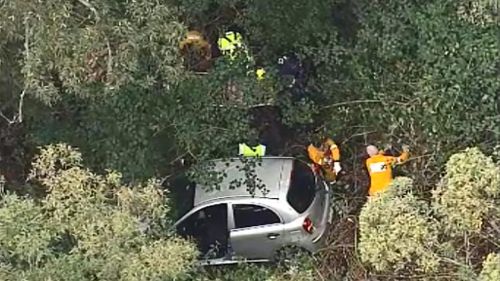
[{"x": 302, "y": 187}]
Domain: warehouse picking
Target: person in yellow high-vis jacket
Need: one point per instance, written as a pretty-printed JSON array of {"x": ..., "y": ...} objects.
[
  {"x": 256, "y": 151},
  {"x": 326, "y": 158},
  {"x": 231, "y": 43},
  {"x": 380, "y": 168}
]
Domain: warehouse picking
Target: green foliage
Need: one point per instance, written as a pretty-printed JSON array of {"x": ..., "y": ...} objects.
[
  {"x": 88, "y": 48},
  {"x": 491, "y": 268},
  {"x": 467, "y": 193},
  {"x": 301, "y": 270},
  {"x": 88, "y": 227},
  {"x": 160, "y": 260},
  {"x": 480, "y": 12},
  {"x": 24, "y": 235},
  {"x": 396, "y": 231},
  {"x": 106, "y": 77},
  {"x": 418, "y": 74},
  {"x": 282, "y": 26}
]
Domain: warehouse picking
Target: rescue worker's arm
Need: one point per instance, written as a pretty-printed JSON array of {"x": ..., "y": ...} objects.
[
  {"x": 401, "y": 158},
  {"x": 334, "y": 149},
  {"x": 334, "y": 154},
  {"x": 315, "y": 154},
  {"x": 405, "y": 155}
]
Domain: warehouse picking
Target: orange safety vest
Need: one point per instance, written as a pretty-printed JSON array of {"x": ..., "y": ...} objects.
[
  {"x": 380, "y": 169},
  {"x": 318, "y": 156},
  {"x": 196, "y": 40}
]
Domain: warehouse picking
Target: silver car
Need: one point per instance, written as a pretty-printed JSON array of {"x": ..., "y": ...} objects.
[{"x": 230, "y": 225}]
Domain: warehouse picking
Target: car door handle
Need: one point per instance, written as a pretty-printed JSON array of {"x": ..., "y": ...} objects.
[{"x": 272, "y": 236}]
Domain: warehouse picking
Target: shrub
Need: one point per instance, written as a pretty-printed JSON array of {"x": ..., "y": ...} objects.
[
  {"x": 396, "y": 231},
  {"x": 480, "y": 12},
  {"x": 466, "y": 194},
  {"x": 491, "y": 268},
  {"x": 87, "y": 227}
]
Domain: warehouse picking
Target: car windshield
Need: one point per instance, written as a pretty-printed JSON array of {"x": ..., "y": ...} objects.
[{"x": 302, "y": 187}]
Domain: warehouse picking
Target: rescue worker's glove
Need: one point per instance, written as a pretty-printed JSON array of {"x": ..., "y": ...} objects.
[
  {"x": 337, "y": 167},
  {"x": 388, "y": 147}
]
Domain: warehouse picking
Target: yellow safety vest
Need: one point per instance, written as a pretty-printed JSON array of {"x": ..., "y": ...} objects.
[
  {"x": 256, "y": 151},
  {"x": 229, "y": 43}
]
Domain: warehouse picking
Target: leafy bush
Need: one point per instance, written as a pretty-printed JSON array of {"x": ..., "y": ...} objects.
[
  {"x": 480, "y": 12},
  {"x": 396, "y": 231},
  {"x": 87, "y": 227},
  {"x": 491, "y": 268},
  {"x": 466, "y": 195},
  {"x": 301, "y": 269}
]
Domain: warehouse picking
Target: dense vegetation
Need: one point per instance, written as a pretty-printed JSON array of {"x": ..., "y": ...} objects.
[{"x": 97, "y": 109}]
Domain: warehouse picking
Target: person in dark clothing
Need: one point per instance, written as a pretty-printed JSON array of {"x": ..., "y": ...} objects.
[
  {"x": 272, "y": 132},
  {"x": 292, "y": 71}
]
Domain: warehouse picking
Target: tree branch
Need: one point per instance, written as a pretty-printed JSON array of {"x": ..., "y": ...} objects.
[
  {"x": 18, "y": 118},
  {"x": 361, "y": 102},
  {"x": 6, "y": 118},
  {"x": 110, "y": 60}
]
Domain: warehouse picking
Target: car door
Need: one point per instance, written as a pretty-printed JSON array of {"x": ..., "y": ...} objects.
[
  {"x": 208, "y": 228},
  {"x": 257, "y": 231}
]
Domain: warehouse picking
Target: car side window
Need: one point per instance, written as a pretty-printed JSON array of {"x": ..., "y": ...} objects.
[
  {"x": 208, "y": 228},
  {"x": 194, "y": 226},
  {"x": 246, "y": 215}
]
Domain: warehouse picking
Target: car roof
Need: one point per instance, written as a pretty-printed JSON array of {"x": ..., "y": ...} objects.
[{"x": 273, "y": 172}]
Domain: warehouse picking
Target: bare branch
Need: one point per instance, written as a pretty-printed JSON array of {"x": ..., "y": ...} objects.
[
  {"x": 18, "y": 118},
  {"x": 6, "y": 118},
  {"x": 361, "y": 102},
  {"x": 110, "y": 60}
]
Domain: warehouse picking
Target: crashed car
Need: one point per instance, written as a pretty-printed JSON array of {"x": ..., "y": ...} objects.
[{"x": 231, "y": 225}]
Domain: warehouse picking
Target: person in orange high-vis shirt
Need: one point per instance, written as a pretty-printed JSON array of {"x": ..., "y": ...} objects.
[
  {"x": 326, "y": 158},
  {"x": 196, "y": 50},
  {"x": 380, "y": 168}
]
